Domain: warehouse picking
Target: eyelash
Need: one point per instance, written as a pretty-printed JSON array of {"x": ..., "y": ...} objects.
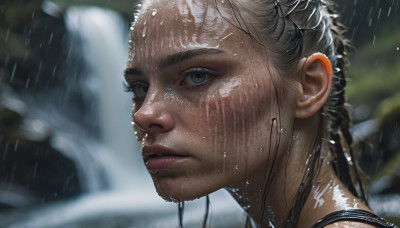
[
  {"x": 130, "y": 88},
  {"x": 197, "y": 70}
]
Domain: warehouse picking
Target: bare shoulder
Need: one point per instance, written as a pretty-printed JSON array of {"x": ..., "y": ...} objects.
[{"x": 348, "y": 224}]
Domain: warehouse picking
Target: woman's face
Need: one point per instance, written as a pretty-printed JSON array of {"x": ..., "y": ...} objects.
[{"x": 205, "y": 99}]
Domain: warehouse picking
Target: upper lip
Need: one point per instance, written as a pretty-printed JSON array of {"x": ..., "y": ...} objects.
[{"x": 158, "y": 150}]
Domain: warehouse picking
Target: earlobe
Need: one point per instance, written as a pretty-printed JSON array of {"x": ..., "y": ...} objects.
[{"x": 316, "y": 79}]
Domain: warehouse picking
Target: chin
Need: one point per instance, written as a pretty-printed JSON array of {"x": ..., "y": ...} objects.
[{"x": 175, "y": 190}]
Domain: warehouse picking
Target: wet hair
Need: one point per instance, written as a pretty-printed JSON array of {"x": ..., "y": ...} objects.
[{"x": 297, "y": 29}]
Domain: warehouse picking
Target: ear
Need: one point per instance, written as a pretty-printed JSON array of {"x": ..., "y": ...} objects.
[{"x": 316, "y": 79}]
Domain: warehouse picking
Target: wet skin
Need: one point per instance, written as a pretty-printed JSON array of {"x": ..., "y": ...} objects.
[
  {"x": 208, "y": 117},
  {"x": 210, "y": 98}
]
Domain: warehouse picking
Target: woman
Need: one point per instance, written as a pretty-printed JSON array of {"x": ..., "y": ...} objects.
[{"x": 247, "y": 96}]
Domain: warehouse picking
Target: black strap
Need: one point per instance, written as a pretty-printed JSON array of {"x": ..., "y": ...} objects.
[{"x": 354, "y": 215}]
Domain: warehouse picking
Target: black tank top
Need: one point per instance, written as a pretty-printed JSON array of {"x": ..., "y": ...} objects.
[{"x": 353, "y": 215}]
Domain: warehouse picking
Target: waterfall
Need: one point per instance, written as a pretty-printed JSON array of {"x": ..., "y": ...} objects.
[{"x": 100, "y": 37}]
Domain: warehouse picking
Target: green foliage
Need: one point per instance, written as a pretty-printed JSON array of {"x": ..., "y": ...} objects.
[{"x": 375, "y": 70}]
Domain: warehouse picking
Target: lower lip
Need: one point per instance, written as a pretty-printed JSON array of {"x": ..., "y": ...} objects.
[{"x": 165, "y": 162}]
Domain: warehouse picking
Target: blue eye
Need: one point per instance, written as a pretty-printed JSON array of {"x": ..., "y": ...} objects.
[
  {"x": 139, "y": 89},
  {"x": 197, "y": 76}
]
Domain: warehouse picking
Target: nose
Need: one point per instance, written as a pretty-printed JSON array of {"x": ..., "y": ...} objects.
[{"x": 154, "y": 117}]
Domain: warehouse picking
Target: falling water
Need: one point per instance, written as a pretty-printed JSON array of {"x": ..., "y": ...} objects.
[{"x": 104, "y": 50}]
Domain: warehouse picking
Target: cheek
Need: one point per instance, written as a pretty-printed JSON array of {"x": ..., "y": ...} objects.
[{"x": 235, "y": 120}]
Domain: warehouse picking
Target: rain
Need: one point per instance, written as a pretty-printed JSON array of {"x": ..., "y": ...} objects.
[{"x": 69, "y": 150}]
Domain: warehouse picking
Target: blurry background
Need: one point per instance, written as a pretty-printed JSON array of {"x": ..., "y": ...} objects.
[{"x": 68, "y": 155}]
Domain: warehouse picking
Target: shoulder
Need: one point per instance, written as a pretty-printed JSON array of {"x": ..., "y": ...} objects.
[{"x": 349, "y": 224}]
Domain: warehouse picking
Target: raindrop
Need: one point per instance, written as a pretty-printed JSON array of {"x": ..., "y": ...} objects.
[
  {"x": 54, "y": 71},
  {"x": 224, "y": 154},
  {"x": 131, "y": 28},
  {"x": 5, "y": 151},
  {"x": 247, "y": 182},
  {"x": 236, "y": 167},
  {"x": 282, "y": 131},
  {"x": 13, "y": 72},
  {"x": 154, "y": 12},
  {"x": 7, "y": 35},
  {"x": 132, "y": 123},
  {"x": 51, "y": 38},
  {"x": 34, "y": 170},
  {"x": 161, "y": 22},
  {"x": 27, "y": 83},
  {"x": 398, "y": 48},
  {"x": 390, "y": 9},
  {"x": 16, "y": 145},
  {"x": 379, "y": 14},
  {"x": 222, "y": 1}
]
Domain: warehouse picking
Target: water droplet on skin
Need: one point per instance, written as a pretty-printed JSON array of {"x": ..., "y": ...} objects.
[
  {"x": 154, "y": 12},
  {"x": 144, "y": 140},
  {"x": 144, "y": 32},
  {"x": 282, "y": 131}
]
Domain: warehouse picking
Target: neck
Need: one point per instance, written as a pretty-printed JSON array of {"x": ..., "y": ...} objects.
[{"x": 269, "y": 200}]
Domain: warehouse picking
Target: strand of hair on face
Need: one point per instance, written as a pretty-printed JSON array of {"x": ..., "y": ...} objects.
[
  {"x": 207, "y": 211},
  {"x": 181, "y": 207}
]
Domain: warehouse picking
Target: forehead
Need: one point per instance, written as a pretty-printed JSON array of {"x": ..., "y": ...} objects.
[{"x": 182, "y": 24}]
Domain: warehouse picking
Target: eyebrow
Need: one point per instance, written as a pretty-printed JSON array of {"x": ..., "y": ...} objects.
[
  {"x": 176, "y": 58},
  {"x": 185, "y": 55}
]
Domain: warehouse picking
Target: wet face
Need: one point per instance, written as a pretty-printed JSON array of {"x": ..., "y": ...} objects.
[{"x": 205, "y": 100}]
